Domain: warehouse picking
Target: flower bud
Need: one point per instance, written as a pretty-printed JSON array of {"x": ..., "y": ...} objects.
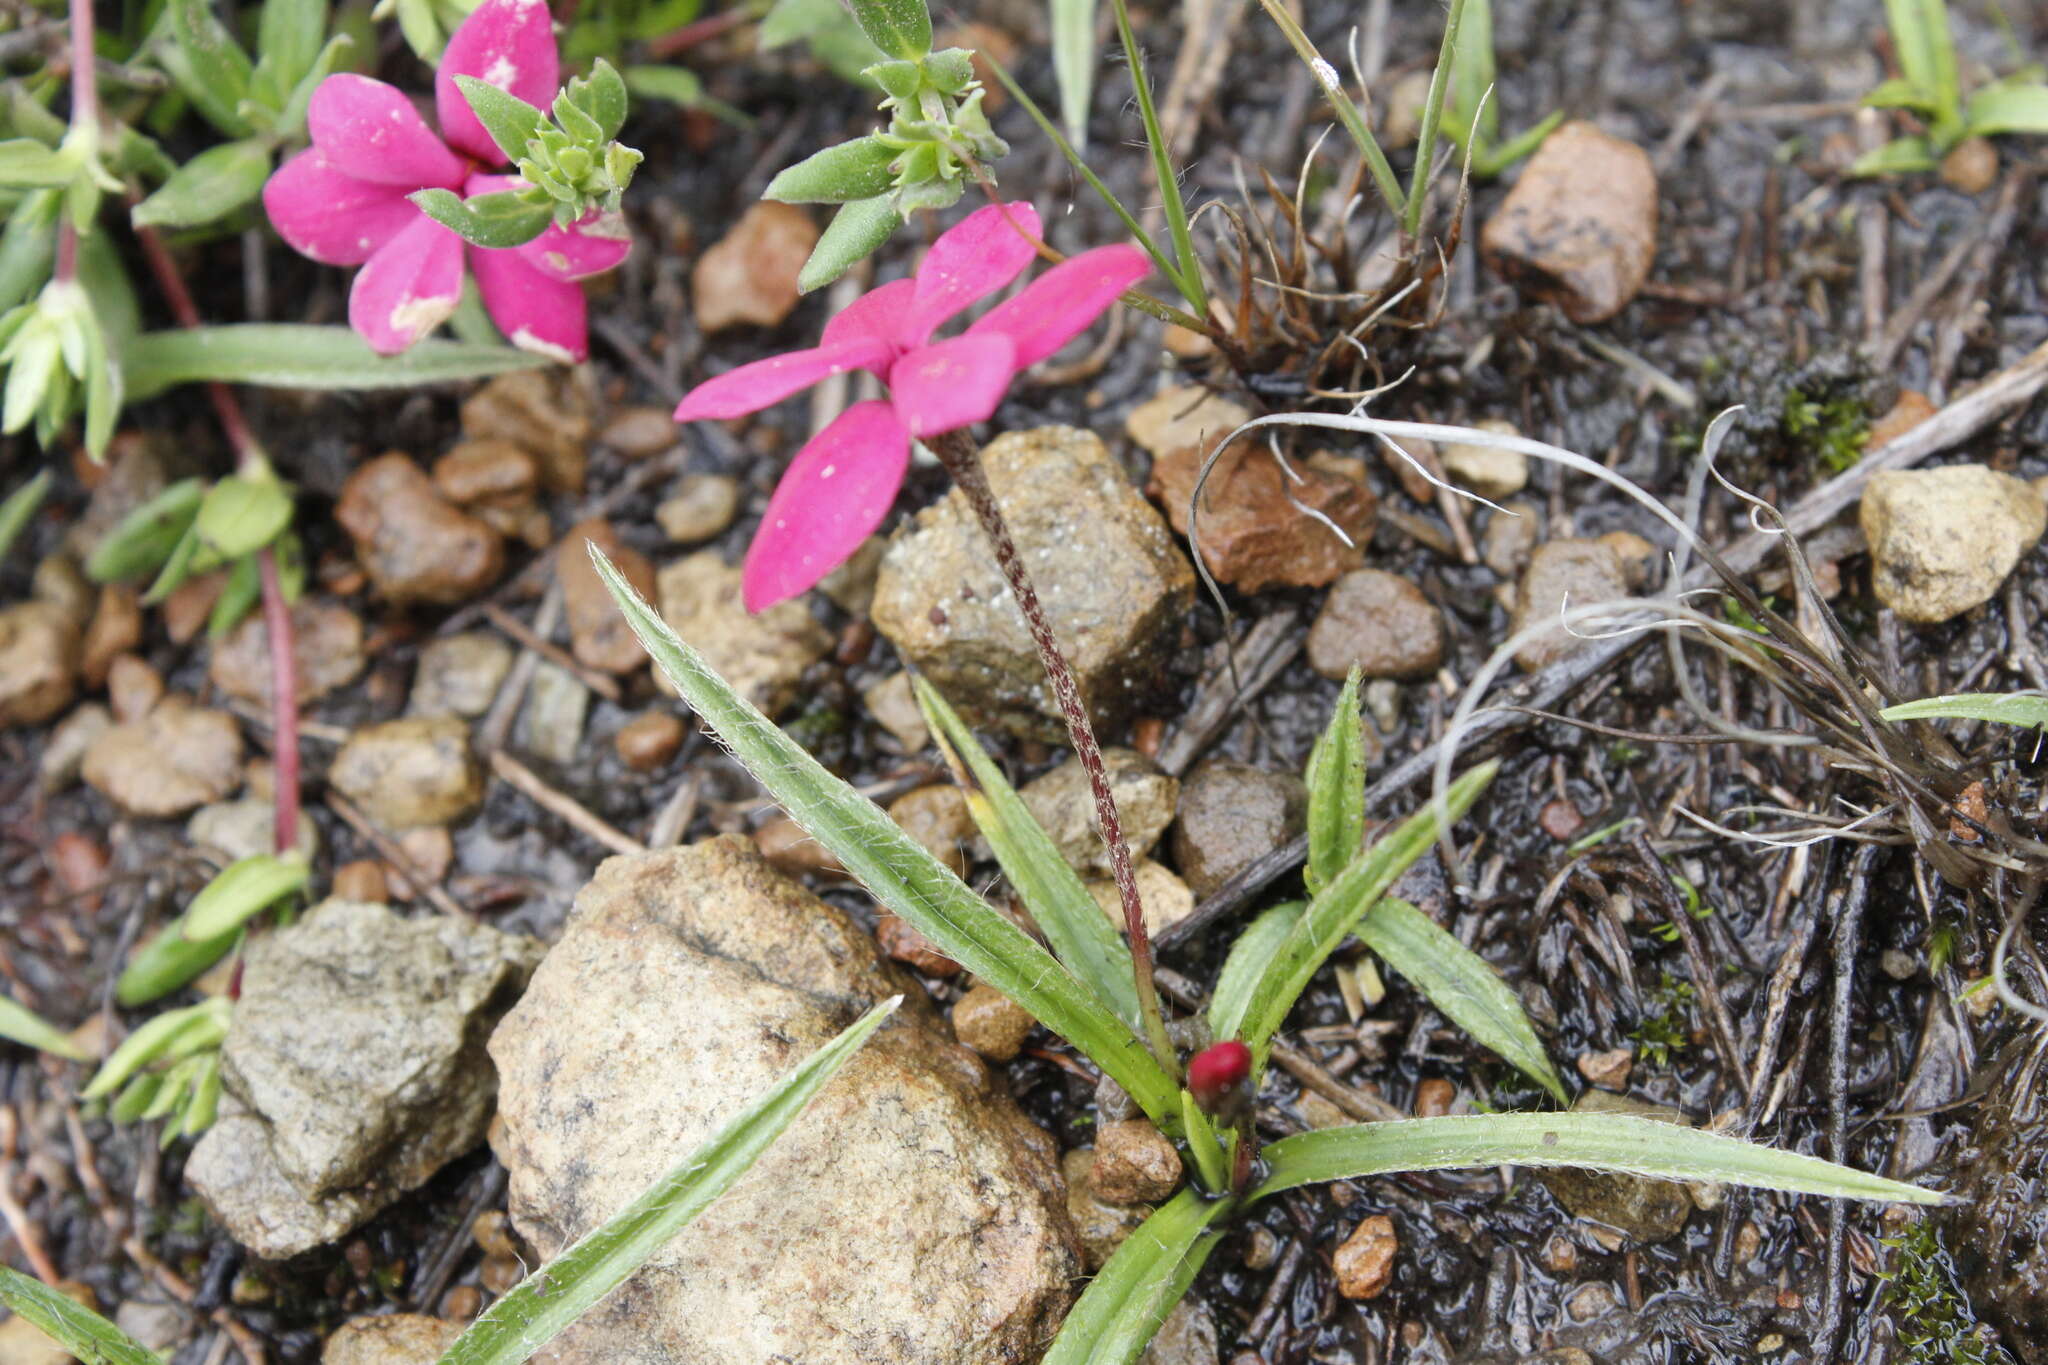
[{"x": 1219, "y": 1079}]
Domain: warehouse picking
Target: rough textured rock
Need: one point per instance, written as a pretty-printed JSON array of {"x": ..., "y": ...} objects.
[
  {"x": 1575, "y": 572},
  {"x": 1943, "y": 540},
  {"x": 175, "y": 758},
  {"x": 1229, "y": 814},
  {"x": 1165, "y": 897},
  {"x": 1641, "y": 1209},
  {"x": 64, "y": 747},
  {"x": 557, "y": 705},
  {"x": 543, "y": 411},
  {"x": 1378, "y": 622},
  {"x": 327, "y": 652},
  {"x": 910, "y": 1215},
  {"x": 991, "y": 1023},
  {"x": 133, "y": 687},
  {"x": 39, "y": 655},
  {"x": 1488, "y": 471},
  {"x": 459, "y": 675},
  {"x": 139, "y": 466},
  {"x": 750, "y": 275},
  {"x": 1101, "y": 1224},
  {"x": 1114, "y": 585},
  {"x": 357, "y": 1069},
  {"x": 404, "y": 773},
  {"x": 1508, "y": 541},
  {"x": 1135, "y": 1163},
  {"x": 414, "y": 544},
  {"x": 1187, "y": 1337},
  {"x": 894, "y": 706},
  {"x": 1062, "y": 802},
  {"x": 1185, "y": 415},
  {"x": 597, "y": 628},
  {"x": 1254, "y": 536},
  {"x": 701, "y": 506},
  {"x": 1579, "y": 228},
  {"x": 1364, "y": 1261},
  {"x": 395, "y": 1339},
  {"x": 762, "y": 656}
]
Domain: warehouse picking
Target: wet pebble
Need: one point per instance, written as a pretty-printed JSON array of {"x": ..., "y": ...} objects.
[
  {"x": 492, "y": 468},
  {"x": 1103, "y": 1226},
  {"x": 936, "y": 816},
  {"x": 1433, "y": 1097},
  {"x": 327, "y": 653},
  {"x": 1489, "y": 471},
  {"x": 904, "y": 942},
  {"x": 1254, "y": 533},
  {"x": 245, "y": 828},
  {"x": 1635, "y": 1207},
  {"x": 1379, "y": 623},
  {"x": 64, "y": 748},
  {"x": 1579, "y": 227},
  {"x": 749, "y": 277},
  {"x": 648, "y": 741},
  {"x": 1971, "y": 166},
  {"x": 415, "y": 544},
  {"x": 639, "y": 431},
  {"x": 1187, "y": 1337},
  {"x": 894, "y": 706},
  {"x": 790, "y": 847},
  {"x": 1164, "y": 897},
  {"x": 1610, "y": 1069},
  {"x": 1134, "y": 1163},
  {"x": 391, "y": 1339},
  {"x": 459, "y": 675},
  {"x": 762, "y": 655},
  {"x": 1229, "y": 814},
  {"x": 544, "y": 412},
  {"x": 1578, "y": 572},
  {"x": 599, "y": 634},
  {"x": 557, "y": 704},
  {"x": 361, "y": 880},
  {"x": 39, "y": 660},
  {"x": 1364, "y": 1261},
  {"x": 991, "y": 1023},
  {"x": 116, "y": 629},
  {"x": 1063, "y": 802},
  {"x": 1508, "y": 541},
  {"x": 701, "y": 506},
  {"x": 405, "y": 773}
]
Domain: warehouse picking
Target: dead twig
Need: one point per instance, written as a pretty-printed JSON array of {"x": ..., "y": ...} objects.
[
  {"x": 603, "y": 684},
  {"x": 389, "y": 850},
  {"x": 558, "y": 803}
]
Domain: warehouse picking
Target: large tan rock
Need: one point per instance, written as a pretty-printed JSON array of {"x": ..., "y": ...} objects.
[
  {"x": 1943, "y": 540},
  {"x": 409, "y": 773}
]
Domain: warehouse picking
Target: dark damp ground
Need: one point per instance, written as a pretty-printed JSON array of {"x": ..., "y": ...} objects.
[{"x": 1755, "y": 297}]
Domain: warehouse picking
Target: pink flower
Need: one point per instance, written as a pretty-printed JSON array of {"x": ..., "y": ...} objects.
[
  {"x": 840, "y": 485},
  {"x": 343, "y": 201}
]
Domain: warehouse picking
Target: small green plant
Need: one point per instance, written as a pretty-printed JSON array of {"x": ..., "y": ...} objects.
[
  {"x": 167, "y": 1069},
  {"x": 1665, "y": 1029},
  {"x": 1832, "y": 427},
  {"x": 1934, "y": 1321},
  {"x": 1929, "y": 86},
  {"x": 1472, "y": 109}
]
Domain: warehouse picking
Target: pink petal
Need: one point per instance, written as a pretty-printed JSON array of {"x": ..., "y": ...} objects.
[
  {"x": 589, "y": 246},
  {"x": 408, "y": 288},
  {"x": 971, "y": 260},
  {"x": 753, "y": 387},
  {"x": 334, "y": 218},
  {"x": 535, "y": 311},
  {"x": 1058, "y": 306},
  {"x": 370, "y": 130},
  {"x": 876, "y": 315},
  {"x": 510, "y": 44},
  {"x": 952, "y": 383},
  {"x": 835, "y": 493}
]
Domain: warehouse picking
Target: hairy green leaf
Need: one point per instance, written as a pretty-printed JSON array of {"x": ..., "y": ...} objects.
[
  {"x": 209, "y": 187},
  {"x": 20, "y": 509},
  {"x": 69, "y": 1323},
  {"x": 288, "y": 38},
  {"x": 28, "y": 246},
  {"x": 242, "y": 890},
  {"x": 858, "y": 169},
  {"x": 498, "y": 220},
  {"x": 27, "y": 164},
  {"x": 1073, "y": 63},
  {"x": 900, "y": 28},
  {"x": 854, "y": 232},
  {"x": 676, "y": 84},
  {"x": 2007, "y": 708},
  {"x": 1336, "y": 791},
  {"x": 299, "y": 356},
  {"x": 23, "y": 1025},
  {"x": 1246, "y": 965},
  {"x": 208, "y": 64},
  {"x": 240, "y": 515},
  {"x": 1123, "y": 1306},
  {"x": 145, "y": 538},
  {"x": 510, "y": 121}
]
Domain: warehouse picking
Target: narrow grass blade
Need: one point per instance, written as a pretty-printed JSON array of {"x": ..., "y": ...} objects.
[
  {"x": 1461, "y": 984},
  {"x": 1121, "y": 1309},
  {"x": 1081, "y": 936},
  {"x": 1336, "y": 791},
  {"x": 2007, "y": 708},
  {"x": 1246, "y": 966},
  {"x": 1188, "y": 275},
  {"x": 898, "y": 872},
  {"x": 70, "y": 1324},
  {"x": 1599, "y": 1142},
  {"x": 1333, "y": 914},
  {"x": 1347, "y": 112},
  {"x": 300, "y": 356},
  {"x": 1073, "y": 63},
  {"x": 244, "y": 889},
  {"x": 20, "y": 508},
  {"x": 570, "y": 1285},
  {"x": 171, "y": 1036},
  {"x": 1432, "y": 115},
  {"x": 1926, "y": 51},
  {"x": 2009, "y": 109},
  {"x": 20, "y": 1024}
]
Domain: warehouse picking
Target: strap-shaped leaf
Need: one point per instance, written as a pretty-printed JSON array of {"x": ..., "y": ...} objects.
[
  {"x": 141, "y": 541},
  {"x": 171, "y": 1036},
  {"x": 288, "y": 38},
  {"x": 1246, "y": 966},
  {"x": 207, "y": 63},
  {"x": 2006, "y": 708},
  {"x": 856, "y": 169},
  {"x": 2009, "y": 109},
  {"x": 300, "y": 356},
  {"x": 898, "y": 871},
  {"x": 854, "y": 232},
  {"x": 23, "y": 1025},
  {"x": 1925, "y": 50},
  {"x": 244, "y": 889},
  {"x": 1900, "y": 156},
  {"x": 1600, "y": 1142},
  {"x": 1073, "y": 64},
  {"x": 1080, "y": 934},
  {"x": 1123, "y": 1306},
  {"x": 240, "y": 515},
  {"x": 20, "y": 508},
  {"x": 70, "y": 1324},
  {"x": 496, "y": 221},
  {"x": 1336, "y": 791},
  {"x": 1461, "y": 984},
  {"x": 28, "y": 245},
  {"x": 209, "y": 187},
  {"x": 570, "y": 1285},
  {"x": 167, "y": 962}
]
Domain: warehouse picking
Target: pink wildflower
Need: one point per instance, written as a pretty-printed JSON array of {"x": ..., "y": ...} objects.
[
  {"x": 841, "y": 484},
  {"x": 343, "y": 201}
]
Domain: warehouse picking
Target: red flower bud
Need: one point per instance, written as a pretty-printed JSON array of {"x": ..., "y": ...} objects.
[{"x": 1216, "y": 1076}]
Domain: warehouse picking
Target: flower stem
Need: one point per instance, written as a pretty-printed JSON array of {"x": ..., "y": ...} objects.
[
  {"x": 962, "y": 458},
  {"x": 85, "y": 78}
]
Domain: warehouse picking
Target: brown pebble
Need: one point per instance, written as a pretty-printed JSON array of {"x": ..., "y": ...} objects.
[
  {"x": 1365, "y": 1262},
  {"x": 116, "y": 628},
  {"x": 1971, "y": 166},
  {"x": 991, "y": 1023},
  {"x": 649, "y": 741},
  {"x": 790, "y": 847},
  {"x": 189, "y": 606},
  {"x": 492, "y": 468},
  {"x": 1969, "y": 806},
  {"x": 1560, "y": 1256},
  {"x": 462, "y": 1303},
  {"x": 1261, "y": 1248},
  {"x": 493, "y": 1233},
  {"x": 1134, "y": 1163},
  {"x": 1579, "y": 228},
  {"x": 1147, "y": 734},
  {"x": 750, "y": 275},
  {"x": 133, "y": 687},
  {"x": 500, "y": 1273},
  {"x": 936, "y": 816},
  {"x": 361, "y": 880},
  {"x": 1609, "y": 1070},
  {"x": 901, "y": 940},
  {"x": 431, "y": 848},
  {"x": 1433, "y": 1098},
  {"x": 1907, "y": 411},
  {"x": 80, "y": 863},
  {"x": 1561, "y": 820},
  {"x": 639, "y": 431}
]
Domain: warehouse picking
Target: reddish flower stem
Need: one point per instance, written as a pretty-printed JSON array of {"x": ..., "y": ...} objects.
[{"x": 962, "y": 458}]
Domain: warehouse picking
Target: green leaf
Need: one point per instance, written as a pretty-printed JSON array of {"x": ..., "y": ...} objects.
[
  {"x": 1336, "y": 791},
  {"x": 240, "y": 515},
  {"x": 1900, "y": 156},
  {"x": 510, "y": 121},
  {"x": 900, "y": 28},
  {"x": 602, "y": 95},
  {"x": 856, "y": 230},
  {"x": 1246, "y": 965},
  {"x": 2006, "y": 708},
  {"x": 1599, "y": 1142},
  {"x": 22, "y": 1025},
  {"x": 1123, "y": 1306},
  {"x": 169, "y": 962},
  {"x": 676, "y": 84},
  {"x": 562, "y": 1291},
  {"x": 244, "y": 889},
  {"x": 237, "y": 596},
  {"x": 1412, "y": 204},
  {"x": 27, "y": 164},
  {"x": 28, "y": 246},
  {"x": 135, "y": 1099},
  {"x": 2009, "y": 109},
  {"x": 899, "y": 872},
  {"x": 288, "y": 38},
  {"x": 145, "y": 538},
  {"x": 1926, "y": 52},
  {"x": 1472, "y": 74},
  {"x": 1082, "y": 937},
  {"x": 291, "y": 121},
  {"x": 209, "y": 187},
  {"x": 852, "y": 170},
  {"x": 177, "y": 568},
  {"x": 1335, "y": 912},
  {"x": 1461, "y": 984},
  {"x": 70, "y": 1324},
  {"x": 297, "y": 356},
  {"x": 208, "y": 64},
  {"x": 499, "y": 220},
  {"x": 20, "y": 509},
  {"x": 1898, "y": 94},
  {"x": 1502, "y": 155},
  {"x": 1073, "y": 63},
  {"x": 204, "y": 1106},
  {"x": 171, "y": 1036},
  {"x": 1187, "y": 271}
]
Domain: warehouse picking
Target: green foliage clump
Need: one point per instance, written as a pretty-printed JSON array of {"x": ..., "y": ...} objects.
[
  {"x": 1831, "y": 426},
  {"x": 1665, "y": 1030},
  {"x": 1934, "y": 1321}
]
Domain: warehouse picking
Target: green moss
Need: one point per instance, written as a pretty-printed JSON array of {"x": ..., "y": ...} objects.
[
  {"x": 1832, "y": 428},
  {"x": 1666, "y": 1029},
  {"x": 1935, "y": 1324}
]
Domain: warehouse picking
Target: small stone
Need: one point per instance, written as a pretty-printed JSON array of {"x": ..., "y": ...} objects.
[
  {"x": 492, "y": 1232},
  {"x": 175, "y": 758},
  {"x": 1489, "y": 471},
  {"x": 1609, "y": 1070},
  {"x": 361, "y": 880},
  {"x": 1907, "y": 411},
  {"x": 1379, "y": 623},
  {"x": 894, "y": 706},
  {"x": 639, "y": 431},
  {"x": 1134, "y": 1163},
  {"x": 157, "y": 1326},
  {"x": 430, "y": 849},
  {"x": 762, "y": 656},
  {"x": 395, "y": 1339},
  {"x": 790, "y": 847},
  {"x": 1189, "y": 415},
  {"x": 403, "y": 773},
  {"x": 1637, "y": 555},
  {"x": 903, "y": 941},
  {"x": 327, "y": 653},
  {"x": 459, "y": 675},
  {"x": 64, "y": 749},
  {"x": 1433, "y": 1097},
  {"x": 991, "y": 1023},
  {"x": 936, "y": 816},
  {"x": 493, "y": 469},
  {"x": 191, "y": 604},
  {"x": 1898, "y": 964},
  {"x": 545, "y": 412},
  {"x": 1575, "y": 572},
  {"x": 1102, "y": 1225},
  {"x": 1261, "y": 1248},
  {"x": 1165, "y": 898},
  {"x": 1943, "y": 540},
  {"x": 1508, "y": 541},
  {"x": 648, "y": 741},
  {"x": 1560, "y": 819},
  {"x": 461, "y": 1304},
  {"x": 60, "y": 582},
  {"x": 415, "y": 545},
  {"x": 1971, "y": 166},
  {"x": 116, "y": 629},
  {"x": 701, "y": 506},
  {"x": 750, "y": 275},
  {"x": 1579, "y": 228},
  {"x": 501, "y": 1274},
  {"x": 1187, "y": 1337},
  {"x": 1364, "y": 1262},
  {"x": 39, "y": 659},
  {"x": 1064, "y": 803},
  {"x": 557, "y": 704},
  {"x": 133, "y": 687},
  {"x": 1318, "y": 1111},
  {"x": 1230, "y": 814},
  {"x": 1560, "y": 1256},
  {"x": 245, "y": 828},
  {"x": 1637, "y": 1208},
  {"x": 1184, "y": 344},
  {"x": 1255, "y": 534},
  {"x": 80, "y": 865},
  {"x": 598, "y": 632}
]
